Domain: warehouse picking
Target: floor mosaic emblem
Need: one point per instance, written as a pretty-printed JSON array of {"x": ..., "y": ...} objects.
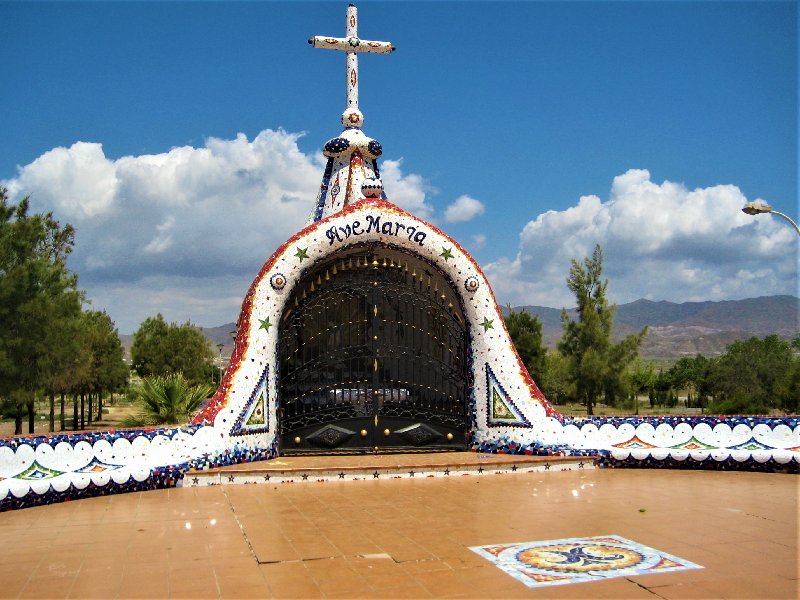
[{"x": 575, "y": 560}]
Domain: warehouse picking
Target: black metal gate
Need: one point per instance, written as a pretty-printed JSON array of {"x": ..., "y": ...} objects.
[{"x": 373, "y": 356}]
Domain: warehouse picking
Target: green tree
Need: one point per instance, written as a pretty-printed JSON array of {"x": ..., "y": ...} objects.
[
  {"x": 596, "y": 364},
  {"x": 747, "y": 378},
  {"x": 556, "y": 384},
  {"x": 36, "y": 292},
  {"x": 641, "y": 380},
  {"x": 107, "y": 370},
  {"x": 169, "y": 399},
  {"x": 161, "y": 348},
  {"x": 693, "y": 375},
  {"x": 526, "y": 333}
]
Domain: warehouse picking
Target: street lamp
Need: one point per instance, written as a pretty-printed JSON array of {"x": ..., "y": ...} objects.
[
  {"x": 759, "y": 206},
  {"x": 220, "y": 347}
]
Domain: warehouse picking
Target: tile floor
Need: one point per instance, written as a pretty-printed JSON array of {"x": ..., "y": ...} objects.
[{"x": 405, "y": 538}]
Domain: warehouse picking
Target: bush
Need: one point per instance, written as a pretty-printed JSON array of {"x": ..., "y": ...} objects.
[{"x": 168, "y": 399}]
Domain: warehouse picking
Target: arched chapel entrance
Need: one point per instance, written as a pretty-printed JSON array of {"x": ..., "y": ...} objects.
[{"x": 372, "y": 355}]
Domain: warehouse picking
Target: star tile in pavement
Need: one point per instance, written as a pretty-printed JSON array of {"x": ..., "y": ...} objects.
[
  {"x": 487, "y": 324},
  {"x": 301, "y": 253},
  {"x": 265, "y": 324},
  {"x": 446, "y": 253}
]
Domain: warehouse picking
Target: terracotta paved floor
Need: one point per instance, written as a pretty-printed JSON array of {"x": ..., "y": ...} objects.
[{"x": 404, "y": 538}]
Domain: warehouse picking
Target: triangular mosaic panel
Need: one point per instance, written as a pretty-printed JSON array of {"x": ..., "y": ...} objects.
[
  {"x": 500, "y": 409},
  {"x": 254, "y": 417}
]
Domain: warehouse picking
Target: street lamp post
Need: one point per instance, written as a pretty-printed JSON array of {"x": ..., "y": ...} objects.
[
  {"x": 759, "y": 207},
  {"x": 219, "y": 367}
]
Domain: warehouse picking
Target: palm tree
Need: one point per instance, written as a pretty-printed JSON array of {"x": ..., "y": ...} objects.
[{"x": 167, "y": 399}]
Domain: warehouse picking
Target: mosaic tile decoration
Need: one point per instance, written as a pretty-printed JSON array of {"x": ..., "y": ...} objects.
[{"x": 577, "y": 560}]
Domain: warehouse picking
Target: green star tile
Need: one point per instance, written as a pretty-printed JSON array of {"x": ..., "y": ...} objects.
[
  {"x": 265, "y": 324},
  {"x": 301, "y": 253},
  {"x": 446, "y": 253},
  {"x": 487, "y": 324}
]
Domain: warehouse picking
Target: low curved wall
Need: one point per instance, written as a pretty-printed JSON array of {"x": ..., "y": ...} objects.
[{"x": 507, "y": 412}]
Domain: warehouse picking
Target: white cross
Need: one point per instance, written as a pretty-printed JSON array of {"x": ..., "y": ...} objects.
[{"x": 352, "y": 45}]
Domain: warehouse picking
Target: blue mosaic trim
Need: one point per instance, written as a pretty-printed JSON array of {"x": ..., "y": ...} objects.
[
  {"x": 323, "y": 191},
  {"x": 237, "y": 455},
  {"x": 693, "y": 420},
  {"x": 95, "y": 436},
  {"x": 505, "y": 446},
  {"x": 708, "y": 464},
  {"x": 160, "y": 478}
]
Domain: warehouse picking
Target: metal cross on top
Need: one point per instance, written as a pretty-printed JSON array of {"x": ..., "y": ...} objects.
[{"x": 351, "y": 44}]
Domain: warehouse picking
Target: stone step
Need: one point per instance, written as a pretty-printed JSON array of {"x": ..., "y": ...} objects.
[{"x": 306, "y": 469}]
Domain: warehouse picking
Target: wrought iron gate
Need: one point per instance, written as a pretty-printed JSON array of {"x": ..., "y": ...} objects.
[{"x": 373, "y": 355}]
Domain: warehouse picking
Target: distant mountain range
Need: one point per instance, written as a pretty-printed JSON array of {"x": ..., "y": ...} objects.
[
  {"x": 689, "y": 328},
  {"x": 675, "y": 330}
]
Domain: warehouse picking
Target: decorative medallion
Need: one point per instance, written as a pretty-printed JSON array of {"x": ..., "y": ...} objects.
[
  {"x": 278, "y": 281},
  {"x": 330, "y": 436},
  {"x": 97, "y": 466},
  {"x": 471, "y": 284},
  {"x": 575, "y": 560},
  {"x": 418, "y": 434},
  {"x": 634, "y": 444},
  {"x": 36, "y": 472},
  {"x": 375, "y": 148},
  {"x": 693, "y": 444},
  {"x": 751, "y": 444}
]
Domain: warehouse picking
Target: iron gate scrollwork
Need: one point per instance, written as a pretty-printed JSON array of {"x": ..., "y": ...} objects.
[{"x": 372, "y": 355}]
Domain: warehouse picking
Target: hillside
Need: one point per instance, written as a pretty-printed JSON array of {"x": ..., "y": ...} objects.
[{"x": 689, "y": 328}]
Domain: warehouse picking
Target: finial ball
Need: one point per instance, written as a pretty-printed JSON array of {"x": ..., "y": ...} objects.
[
  {"x": 352, "y": 117},
  {"x": 372, "y": 188}
]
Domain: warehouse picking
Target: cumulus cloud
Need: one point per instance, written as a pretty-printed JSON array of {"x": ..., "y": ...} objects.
[
  {"x": 409, "y": 192},
  {"x": 184, "y": 231},
  {"x": 661, "y": 242},
  {"x": 478, "y": 241},
  {"x": 463, "y": 209}
]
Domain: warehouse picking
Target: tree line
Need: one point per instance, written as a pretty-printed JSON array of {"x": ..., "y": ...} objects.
[
  {"x": 52, "y": 345},
  {"x": 752, "y": 377}
]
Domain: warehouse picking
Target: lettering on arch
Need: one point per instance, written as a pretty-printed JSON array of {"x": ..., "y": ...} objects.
[{"x": 375, "y": 224}]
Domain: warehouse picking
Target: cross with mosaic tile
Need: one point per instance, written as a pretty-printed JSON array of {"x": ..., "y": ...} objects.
[{"x": 352, "y": 45}]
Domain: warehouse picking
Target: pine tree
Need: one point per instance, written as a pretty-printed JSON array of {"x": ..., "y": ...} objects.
[
  {"x": 596, "y": 364},
  {"x": 526, "y": 333}
]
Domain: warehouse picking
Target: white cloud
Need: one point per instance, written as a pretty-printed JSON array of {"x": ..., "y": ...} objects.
[
  {"x": 462, "y": 209},
  {"x": 661, "y": 241},
  {"x": 409, "y": 192},
  {"x": 185, "y": 231},
  {"x": 478, "y": 241}
]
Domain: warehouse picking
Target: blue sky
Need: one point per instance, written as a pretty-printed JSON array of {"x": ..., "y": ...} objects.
[{"x": 638, "y": 125}]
